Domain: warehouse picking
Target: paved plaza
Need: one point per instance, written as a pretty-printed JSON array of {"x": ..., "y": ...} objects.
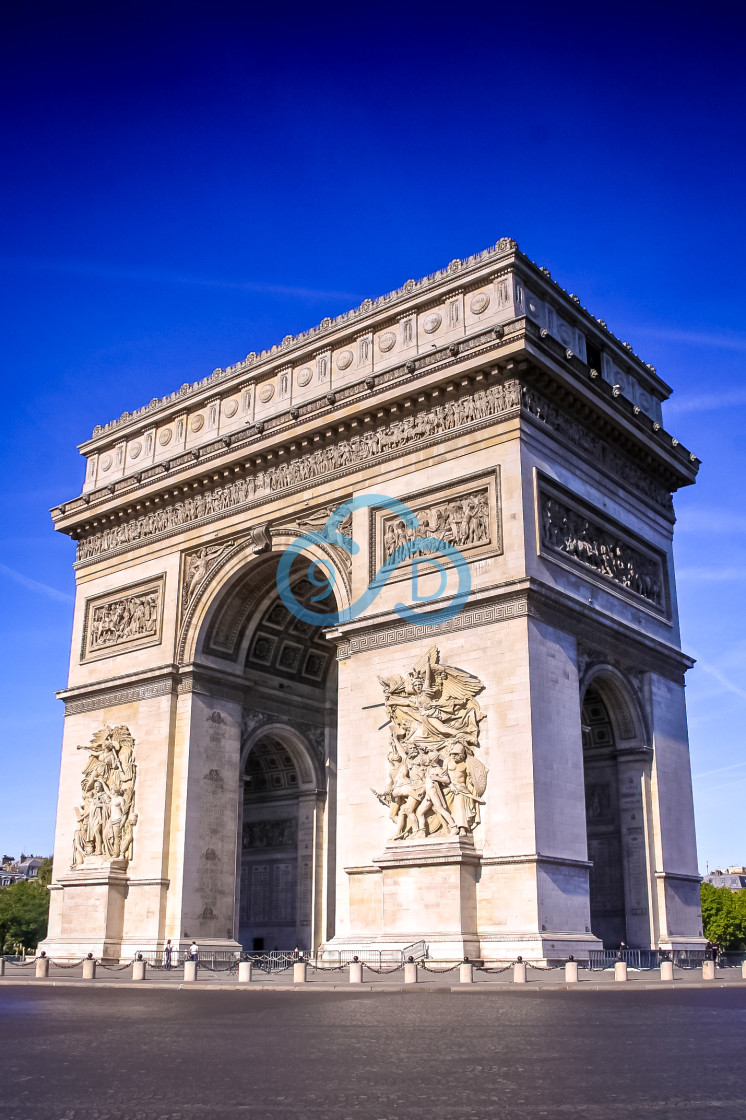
[{"x": 126, "y": 1053}]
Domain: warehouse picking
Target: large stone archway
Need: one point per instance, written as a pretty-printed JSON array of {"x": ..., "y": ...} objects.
[{"x": 430, "y": 769}]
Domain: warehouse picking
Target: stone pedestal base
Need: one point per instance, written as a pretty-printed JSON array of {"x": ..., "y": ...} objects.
[
  {"x": 416, "y": 891},
  {"x": 86, "y": 911}
]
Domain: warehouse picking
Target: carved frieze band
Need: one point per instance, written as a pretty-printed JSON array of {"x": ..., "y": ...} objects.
[
  {"x": 113, "y": 697},
  {"x": 575, "y": 532},
  {"x": 338, "y": 457},
  {"x": 466, "y": 516},
  {"x": 591, "y": 445},
  {"x": 396, "y": 634},
  {"x": 126, "y": 620}
]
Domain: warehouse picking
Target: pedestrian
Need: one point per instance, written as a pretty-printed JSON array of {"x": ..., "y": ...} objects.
[
  {"x": 167, "y": 954},
  {"x": 194, "y": 953}
]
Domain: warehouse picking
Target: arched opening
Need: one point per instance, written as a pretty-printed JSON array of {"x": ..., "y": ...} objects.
[
  {"x": 276, "y": 875},
  {"x": 282, "y": 671},
  {"x": 616, "y": 766}
]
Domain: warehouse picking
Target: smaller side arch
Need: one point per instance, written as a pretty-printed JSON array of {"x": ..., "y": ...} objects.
[
  {"x": 309, "y": 771},
  {"x": 625, "y": 712}
]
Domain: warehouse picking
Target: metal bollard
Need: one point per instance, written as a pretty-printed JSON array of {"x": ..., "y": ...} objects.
[
  {"x": 743, "y": 970},
  {"x": 571, "y": 972},
  {"x": 519, "y": 971},
  {"x": 89, "y": 968},
  {"x": 300, "y": 972},
  {"x": 356, "y": 972},
  {"x": 42, "y": 968},
  {"x": 666, "y": 970},
  {"x": 708, "y": 970},
  {"x": 466, "y": 972},
  {"x": 244, "y": 972},
  {"x": 2, "y": 966},
  {"x": 190, "y": 972},
  {"x": 620, "y": 971},
  {"x": 410, "y": 972},
  {"x": 138, "y": 970}
]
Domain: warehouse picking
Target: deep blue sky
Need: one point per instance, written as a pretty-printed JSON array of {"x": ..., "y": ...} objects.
[{"x": 187, "y": 183}]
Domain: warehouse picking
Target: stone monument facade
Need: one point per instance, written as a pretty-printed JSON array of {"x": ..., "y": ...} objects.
[{"x": 512, "y": 778}]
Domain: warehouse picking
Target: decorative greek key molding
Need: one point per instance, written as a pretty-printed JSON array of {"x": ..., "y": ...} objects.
[
  {"x": 396, "y": 634},
  {"x": 118, "y": 623},
  {"x": 113, "y": 697}
]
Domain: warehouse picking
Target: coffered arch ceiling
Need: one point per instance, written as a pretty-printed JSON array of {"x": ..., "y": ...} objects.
[{"x": 251, "y": 627}]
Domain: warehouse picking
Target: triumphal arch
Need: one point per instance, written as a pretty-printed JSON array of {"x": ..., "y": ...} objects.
[{"x": 347, "y": 742}]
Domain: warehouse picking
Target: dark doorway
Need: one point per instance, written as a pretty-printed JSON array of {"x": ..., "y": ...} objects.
[{"x": 603, "y": 823}]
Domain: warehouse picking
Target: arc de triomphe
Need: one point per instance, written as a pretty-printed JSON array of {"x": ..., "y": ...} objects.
[{"x": 511, "y": 779}]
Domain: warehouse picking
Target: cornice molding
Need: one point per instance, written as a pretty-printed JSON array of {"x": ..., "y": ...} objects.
[{"x": 452, "y": 281}]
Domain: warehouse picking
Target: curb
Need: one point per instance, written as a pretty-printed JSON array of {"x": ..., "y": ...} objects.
[{"x": 462, "y": 989}]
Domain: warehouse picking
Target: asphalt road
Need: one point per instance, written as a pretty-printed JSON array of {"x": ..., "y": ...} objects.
[{"x": 114, "y": 1054}]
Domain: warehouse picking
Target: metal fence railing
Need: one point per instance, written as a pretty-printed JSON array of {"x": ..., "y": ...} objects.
[{"x": 599, "y": 959}]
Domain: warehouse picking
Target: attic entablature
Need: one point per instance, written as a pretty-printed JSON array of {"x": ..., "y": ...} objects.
[{"x": 364, "y": 332}]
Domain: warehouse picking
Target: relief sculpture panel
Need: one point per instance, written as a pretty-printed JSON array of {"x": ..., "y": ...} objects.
[
  {"x": 106, "y": 817},
  {"x": 130, "y": 619},
  {"x": 465, "y": 516},
  {"x": 436, "y": 782},
  {"x": 567, "y": 530}
]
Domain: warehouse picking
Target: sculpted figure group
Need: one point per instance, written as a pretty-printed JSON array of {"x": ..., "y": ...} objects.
[
  {"x": 106, "y": 818},
  {"x": 436, "y": 782},
  {"x": 467, "y": 409},
  {"x": 461, "y": 522},
  {"x": 571, "y": 533},
  {"x": 134, "y": 616}
]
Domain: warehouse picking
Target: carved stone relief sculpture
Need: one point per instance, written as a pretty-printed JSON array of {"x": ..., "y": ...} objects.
[
  {"x": 106, "y": 818},
  {"x": 131, "y": 619},
  {"x": 462, "y": 521},
  {"x": 570, "y": 532},
  {"x": 197, "y": 566},
  {"x": 436, "y": 782},
  {"x": 467, "y": 409}
]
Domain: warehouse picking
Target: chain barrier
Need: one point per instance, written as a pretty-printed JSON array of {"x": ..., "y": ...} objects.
[
  {"x": 328, "y": 967},
  {"x": 544, "y": 967},
  {"x": 115, "y": 967},
  {"x": 232, "y": 967},
  {"x": 481, "y": 968},
  {"x": 382, "y": 971},
  {"x": 20, "y": 964},
  {"x": 450, "y": 968},
  {"x": 75, "y": 964}
]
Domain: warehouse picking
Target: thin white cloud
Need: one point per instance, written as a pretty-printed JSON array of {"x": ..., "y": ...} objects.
[
  {"x": 711, "y": 575},
  {"x": 155, "y": 276},
  {"x": 706, "y": 402},
  {"x": 724, "y": 339},
  {"x": 720, "y": 770},
  {"x": 726, "y": 682},
  {"x": 710, "y": 521},
  {"x": 34, "y": 585},
  {"x": 723, "y": 785}
]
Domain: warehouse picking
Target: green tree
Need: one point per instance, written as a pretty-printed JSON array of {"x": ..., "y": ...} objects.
[
  {"x": 724, "y": 916},
  {"x": 24, "y": 909}
]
